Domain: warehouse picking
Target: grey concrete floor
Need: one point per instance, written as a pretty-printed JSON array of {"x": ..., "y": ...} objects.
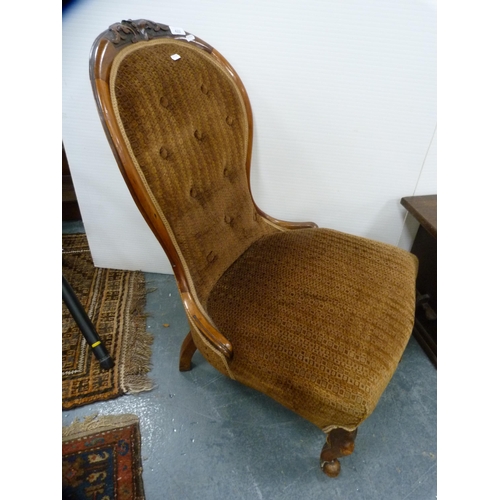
[{"x": 206, "y": 436}]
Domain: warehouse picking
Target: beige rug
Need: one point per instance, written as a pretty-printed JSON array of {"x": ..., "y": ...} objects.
[{"x": 114, "y": 301}]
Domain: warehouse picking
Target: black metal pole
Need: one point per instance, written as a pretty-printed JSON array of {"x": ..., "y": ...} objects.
[{"x": 87, "y": 328}]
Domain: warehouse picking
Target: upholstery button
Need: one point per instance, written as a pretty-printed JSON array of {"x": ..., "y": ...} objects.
[
  {"x": 164, "y": 152},
  {"x": 228, "y": 219},
  {"x": 204, "y": 89},
  {"x": 229, "y": 120},
  {"x": 164, "y": 102},
  {"x": 199, "y": 135},
  {"x": 211, "y": 257}
]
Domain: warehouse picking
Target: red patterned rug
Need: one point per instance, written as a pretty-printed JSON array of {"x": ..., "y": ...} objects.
[{"x": 101, "y": 459}]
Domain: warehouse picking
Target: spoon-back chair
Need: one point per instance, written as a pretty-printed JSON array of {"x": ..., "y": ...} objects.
[{"x": 314, "y": 318}]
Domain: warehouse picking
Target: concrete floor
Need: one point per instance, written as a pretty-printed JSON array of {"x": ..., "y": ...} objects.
[{"x": 206, "y": 436}]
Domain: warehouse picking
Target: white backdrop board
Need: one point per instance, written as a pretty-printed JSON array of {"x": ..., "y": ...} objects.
[{"x": 344, "y": 103}]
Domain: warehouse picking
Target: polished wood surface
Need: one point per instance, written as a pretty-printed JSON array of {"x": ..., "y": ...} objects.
[
  {"x": 424, "y": 209},
  {"x": 105, "y": 49}
]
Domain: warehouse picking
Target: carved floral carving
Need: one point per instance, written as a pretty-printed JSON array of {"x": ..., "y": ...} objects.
[{"x": 135, "y": 31}]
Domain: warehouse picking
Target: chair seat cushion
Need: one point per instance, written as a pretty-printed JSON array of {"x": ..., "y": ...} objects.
[{"x": 318, "y": 320}]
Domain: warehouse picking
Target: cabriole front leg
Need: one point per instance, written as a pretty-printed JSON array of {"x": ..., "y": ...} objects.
[
  {"x": 188, "y": 348},
  {"x": 339, "y": 443}
]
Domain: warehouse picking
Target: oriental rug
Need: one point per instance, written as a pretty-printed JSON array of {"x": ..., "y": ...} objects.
[
  {"x": 114, "y": 301},
  {"x": 101, "y": 459}
]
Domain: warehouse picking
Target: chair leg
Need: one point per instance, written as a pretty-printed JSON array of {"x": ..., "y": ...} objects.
[
  {"x": 188, "y": 348},
  {"x": 339, "y": 443}
]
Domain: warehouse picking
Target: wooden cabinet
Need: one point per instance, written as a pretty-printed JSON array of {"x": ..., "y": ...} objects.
[
  {"x": 70, "y": 208},
  {"x": 424, "y": 210}
]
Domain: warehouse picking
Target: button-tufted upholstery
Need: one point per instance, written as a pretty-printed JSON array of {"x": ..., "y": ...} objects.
[
  {"x": 315, "y": 318},
  {"x": 188, "y": 129}
]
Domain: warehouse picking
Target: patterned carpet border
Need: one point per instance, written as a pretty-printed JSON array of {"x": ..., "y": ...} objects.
[
  {"x": 114, "y": 301},
  {"x": 101, "y": 459}
]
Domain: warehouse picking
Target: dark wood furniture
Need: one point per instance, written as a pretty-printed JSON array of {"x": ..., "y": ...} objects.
[
  {"x": 424, "y": 209},
  {"x": 70, "y": 208}
]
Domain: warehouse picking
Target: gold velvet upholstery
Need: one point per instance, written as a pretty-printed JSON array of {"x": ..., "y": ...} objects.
[
  {"x": 317, "y": 319},
  {"x": 188, "y": 130}
]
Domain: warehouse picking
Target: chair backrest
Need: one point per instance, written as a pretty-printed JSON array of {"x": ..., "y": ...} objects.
[{"x": 180, "y": 124}]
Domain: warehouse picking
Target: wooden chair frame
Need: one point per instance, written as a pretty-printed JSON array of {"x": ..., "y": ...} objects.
[
  {"x": 104, "y": 50},
  {"x": 108, "y": 45}
]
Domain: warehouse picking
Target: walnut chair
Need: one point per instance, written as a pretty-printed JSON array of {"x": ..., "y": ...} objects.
[{"x": 315, "y": 318}]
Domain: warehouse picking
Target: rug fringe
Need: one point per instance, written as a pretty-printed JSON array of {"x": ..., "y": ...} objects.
[
  {"x": 139, "y": 350},
  {"x": 123, "y": 328},
  {"x": 96, "y": 423}
]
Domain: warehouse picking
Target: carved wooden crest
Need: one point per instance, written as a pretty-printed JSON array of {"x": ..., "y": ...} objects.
[{"x": 135, "y": 31}]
